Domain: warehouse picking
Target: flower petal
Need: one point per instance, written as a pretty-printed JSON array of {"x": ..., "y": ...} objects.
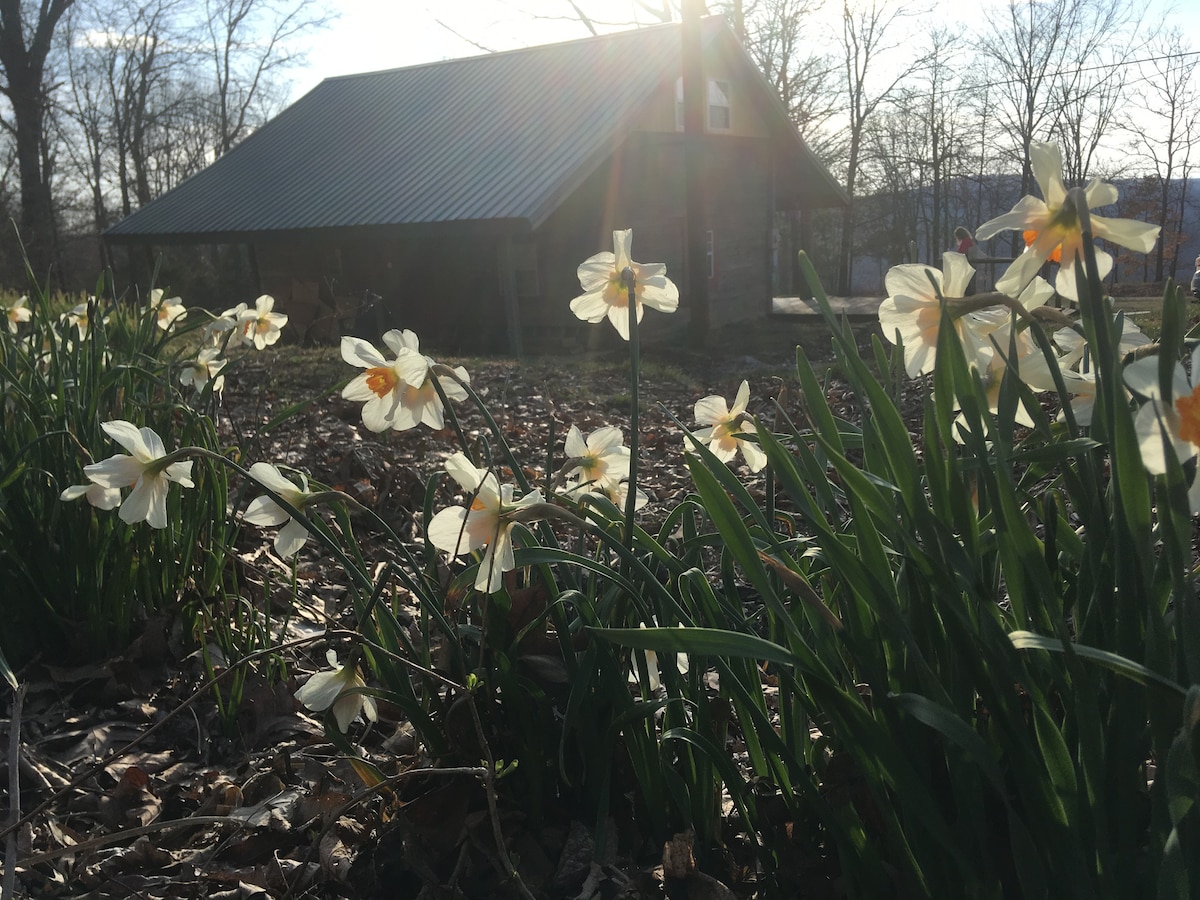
[
  {"x": 448, "y": 532},
  {"x": 265, "y": 511},
  {"x": 115, "y": 472},
  {"x": 359, "y": 353},
  {"x": 290, "y": 539}
]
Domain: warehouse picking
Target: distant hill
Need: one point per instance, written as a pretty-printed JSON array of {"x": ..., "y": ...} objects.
[{"x": 886, "y": 217}]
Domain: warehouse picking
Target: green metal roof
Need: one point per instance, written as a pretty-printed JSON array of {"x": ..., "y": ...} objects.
[{"x": 501, "y": 138}]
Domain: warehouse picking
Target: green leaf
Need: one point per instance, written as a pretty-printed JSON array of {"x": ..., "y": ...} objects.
[
  {"x": 7, "y": 672},
  {"x": 1027, "y": 640},
  {"x": 956, "y": 731}
]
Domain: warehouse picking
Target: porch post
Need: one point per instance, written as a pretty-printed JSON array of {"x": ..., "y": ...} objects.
[{"x": 508, "y": 291}]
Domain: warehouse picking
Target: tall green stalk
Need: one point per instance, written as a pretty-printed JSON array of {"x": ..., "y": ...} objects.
[{"x": 635, "y": 367}]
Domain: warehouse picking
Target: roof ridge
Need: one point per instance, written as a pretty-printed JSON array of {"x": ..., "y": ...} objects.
[{"x": 627, "y": 33}]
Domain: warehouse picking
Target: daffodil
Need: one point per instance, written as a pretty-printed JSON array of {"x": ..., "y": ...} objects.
[
  {"x": 1052, "y": 230},
  {"x": 399, "y": 393},
  {"x": 225, "y": 323},
  {"x": 488, "y": 522},
  {"x": 1167, "y": 422},
  {"x": 600, "y": 465},
  {"x": 265, "y": 511},
  {"x": 600, "y": 459},
  {"x": 17, "y": 313},
  {"x": 653, "y": 673},
  {"x": 80, "y": 317},
  {"x": 196, "y": 373},
  {"x": 723, "y": 425},
  {"x": 261, "y": 326},
  {"x": 1073, "y": 344},
  {"x": 167, "y": 311},
  {"x": 913, "y": 309},
  {"x": 339, "y": 688},
  {"x": 605, "y": 293},
  {"x": 143, "y": 470}
]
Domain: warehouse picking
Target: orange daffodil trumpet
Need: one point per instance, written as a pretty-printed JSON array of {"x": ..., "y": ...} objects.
[
  {"x": 487, "y": 522},
  {"x": 1052, "y": 229},
  {"x": 399, "y": 393},
  {"x": 605, "y": 293}
]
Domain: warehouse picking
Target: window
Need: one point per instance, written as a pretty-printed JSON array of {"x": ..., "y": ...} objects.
[
  {"x": 711, "y": 254},
  {"x": 719, "y": 107}
]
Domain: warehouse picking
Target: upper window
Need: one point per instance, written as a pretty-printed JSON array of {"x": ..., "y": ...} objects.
[{"x": 719, "y": 115}]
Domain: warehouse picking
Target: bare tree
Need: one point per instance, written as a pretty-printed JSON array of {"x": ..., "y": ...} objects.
[
  {"x": 870, "y": 32},
  {"x": 249, "y": 43},
  {"x": 1043, "y": 54},
  {"x": 1169, "y": 100}
]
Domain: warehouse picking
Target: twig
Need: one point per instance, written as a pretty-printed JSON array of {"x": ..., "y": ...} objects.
[
  {"x": 118, "y": 836},
  {"x": 9, "y": 887},
  {"x": 489, "y": 785}
]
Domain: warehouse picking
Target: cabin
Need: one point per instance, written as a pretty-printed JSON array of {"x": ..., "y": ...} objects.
[{"x": 458, "y": 198}]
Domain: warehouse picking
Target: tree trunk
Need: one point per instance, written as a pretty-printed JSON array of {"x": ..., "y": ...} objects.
[{"x": 24, "y": 67}]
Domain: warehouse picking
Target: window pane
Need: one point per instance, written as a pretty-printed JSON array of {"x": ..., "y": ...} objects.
[{"x": 718, "y": 105}]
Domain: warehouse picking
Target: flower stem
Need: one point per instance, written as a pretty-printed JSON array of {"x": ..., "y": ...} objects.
[{"x": 635, "y": 365}]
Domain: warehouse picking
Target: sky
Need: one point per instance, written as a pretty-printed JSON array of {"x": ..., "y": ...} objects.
[{"x": 369, "y": 35}]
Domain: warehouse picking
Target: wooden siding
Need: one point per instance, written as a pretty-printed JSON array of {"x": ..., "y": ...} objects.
[{"x": 745, "y": 119}]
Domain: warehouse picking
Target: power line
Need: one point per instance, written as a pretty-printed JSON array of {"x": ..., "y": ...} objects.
[{"x": 1079, "y": 70}]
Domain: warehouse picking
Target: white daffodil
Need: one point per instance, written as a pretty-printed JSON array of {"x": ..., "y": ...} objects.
[
  {"x": 653, "y": 673},
  {"x": 196, "y": 373},
  {"x": 17, "y": 313},
  {"x": 724, "y": 423},
  {"x": 399, "y": 393},
  {"x": 265, "y": 511},
  {"x": 1073, "y": 344},
  {"x": 260, "y": 326},
  {"x": 914, "y": 309},
  {"x": 601, "y": 460},
  {"x": 97, "y": 495},
  {"x": 616, "y": 493},
  {"x": 489, "y": 520},
  {"x": 996, "y": 323},
  {"x": 606, "y": 295},
  {"x": 80, "y": 317},
  {"x": 215, "y": 330},
  {"x": 1174, "y": 417},
  {"x": 339, "y": 688},
  {"x": 1052, "y": 230},
  {"x": 167, "y": 311},
  {"x": 143, "y": 471}
]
